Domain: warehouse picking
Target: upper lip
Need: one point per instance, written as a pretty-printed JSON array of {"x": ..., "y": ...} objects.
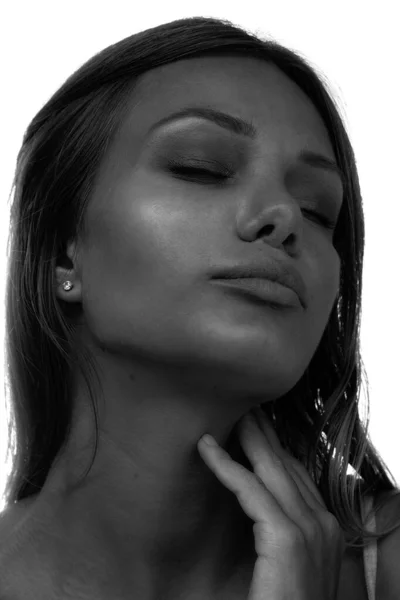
[{"x": 273, "y": 270}]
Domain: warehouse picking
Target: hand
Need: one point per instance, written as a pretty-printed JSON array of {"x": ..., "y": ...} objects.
[{"x": 299, "y": 544}]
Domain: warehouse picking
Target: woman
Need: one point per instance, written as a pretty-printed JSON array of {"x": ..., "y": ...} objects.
[{"x": 125, "y": 222}]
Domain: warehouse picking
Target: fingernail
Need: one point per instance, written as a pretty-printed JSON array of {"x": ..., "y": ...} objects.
[{"x": 209, "y": 440}]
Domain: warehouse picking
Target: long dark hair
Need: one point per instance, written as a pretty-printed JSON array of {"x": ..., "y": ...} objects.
[{"x": 63, "y": 146}]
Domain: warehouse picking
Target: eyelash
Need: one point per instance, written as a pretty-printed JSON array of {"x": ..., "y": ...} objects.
[{"x": 325, "y": 221}]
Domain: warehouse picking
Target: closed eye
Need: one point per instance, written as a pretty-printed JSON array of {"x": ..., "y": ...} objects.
[
  {"x": 199, "y": 171},
  {"x": 185, "y": 171}
]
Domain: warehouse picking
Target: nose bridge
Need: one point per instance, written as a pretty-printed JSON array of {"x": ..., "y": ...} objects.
[{"x": 271, "y": 174}]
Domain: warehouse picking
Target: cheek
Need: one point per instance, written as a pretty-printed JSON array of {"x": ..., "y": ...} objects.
[{"x": 324, "y": 288}]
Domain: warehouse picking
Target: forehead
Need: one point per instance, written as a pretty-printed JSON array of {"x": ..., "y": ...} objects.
[{"x": 243, "y": 86}]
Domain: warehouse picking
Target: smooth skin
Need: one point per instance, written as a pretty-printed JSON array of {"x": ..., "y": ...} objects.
[
  {"x": 177, "y": 355},
  {"x": 299, "y": 543}
]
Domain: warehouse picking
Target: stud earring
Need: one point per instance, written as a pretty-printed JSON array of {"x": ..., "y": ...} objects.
[{"x": 67, "y": 285}]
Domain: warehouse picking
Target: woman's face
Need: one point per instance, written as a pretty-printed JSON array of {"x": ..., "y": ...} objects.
[{"x": 156, "y": 237}]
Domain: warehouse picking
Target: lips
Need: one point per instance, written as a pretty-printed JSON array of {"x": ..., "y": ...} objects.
[{"x": 284, "y": 274}]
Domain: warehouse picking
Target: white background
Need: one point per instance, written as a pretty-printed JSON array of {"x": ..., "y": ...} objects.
[{"x": 355, "y": 44}]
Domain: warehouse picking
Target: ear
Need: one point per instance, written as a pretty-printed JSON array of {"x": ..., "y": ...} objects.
[{"x": 67, "y": 269}]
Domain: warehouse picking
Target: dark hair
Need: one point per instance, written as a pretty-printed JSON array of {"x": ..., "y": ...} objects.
[{"x": 63, "y": 148}]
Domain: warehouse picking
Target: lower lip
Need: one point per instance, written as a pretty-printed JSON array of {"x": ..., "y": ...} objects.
[{"x": 270, "y": 292}]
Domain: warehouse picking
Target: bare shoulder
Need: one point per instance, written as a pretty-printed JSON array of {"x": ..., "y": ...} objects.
[
  {"x": 12, "y": 519},
  {"x": 16, "y": 535},
  {"x": 388, "y": 572},
  {"x": 8, "y": 525}
]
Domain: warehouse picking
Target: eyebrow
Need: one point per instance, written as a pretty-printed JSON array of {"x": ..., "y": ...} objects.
[{"x": 246, "y": 129}]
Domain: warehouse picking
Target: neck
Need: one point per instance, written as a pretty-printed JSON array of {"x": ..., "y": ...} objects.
[{"x": 186, "y": 536}]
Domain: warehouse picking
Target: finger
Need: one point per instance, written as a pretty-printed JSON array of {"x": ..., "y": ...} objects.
[
  {"x": 257, "y": 502},
  {"x": 302, "y": 477},
  {"x": 299, "y": 471},
  {"x": 269, "y": 467}
]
